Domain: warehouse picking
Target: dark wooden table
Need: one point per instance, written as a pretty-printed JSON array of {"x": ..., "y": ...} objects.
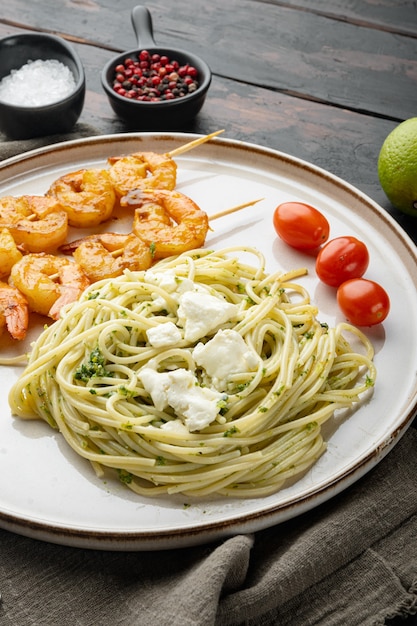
[{"x": 323, "y": 81}]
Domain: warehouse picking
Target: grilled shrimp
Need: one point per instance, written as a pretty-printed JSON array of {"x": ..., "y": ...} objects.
[
  {"x": 168, "y": 221},
  {"x": 142, "y": 170},
  {"x": 48, "y": 282},
  {"x": 108, "y": 254},
  {"x": 9, "y": 252},
  {"x": 37, "y": 223},
  {"x": 87, "y": 196}
]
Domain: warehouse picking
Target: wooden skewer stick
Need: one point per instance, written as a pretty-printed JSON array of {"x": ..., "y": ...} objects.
[
  {"x": 234, "y": 209},
  {"x": 193, "y": 144}
]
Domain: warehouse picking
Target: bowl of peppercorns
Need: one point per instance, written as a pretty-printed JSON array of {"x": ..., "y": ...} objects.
[
  {"x": 154, "y": 86},
  {"x": 42, "y": 85}
]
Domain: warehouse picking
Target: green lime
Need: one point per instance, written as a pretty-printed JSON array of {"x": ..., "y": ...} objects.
[{"x": 397, "y": 166}]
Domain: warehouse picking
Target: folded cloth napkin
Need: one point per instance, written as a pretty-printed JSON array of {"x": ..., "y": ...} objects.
[
  {"x": 350, "y": 562},
  {"x": 13, "y": 147}
]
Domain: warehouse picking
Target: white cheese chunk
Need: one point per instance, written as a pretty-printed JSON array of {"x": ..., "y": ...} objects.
[
  {"x": 199, "y": 313},
  {"x": 165, "y": 280},
  {"x": 196, "y": 406},
  {"x": 224, "y": 355},
  {"x": 156, "y": 384},
  {"x": 164, "y": 335},
  {"x": 185, "y": 284},
  {"x": 169, "y": 281}
]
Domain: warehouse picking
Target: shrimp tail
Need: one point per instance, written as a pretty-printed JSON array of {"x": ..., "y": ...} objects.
[
  {"x": 68, "y": 295},
  {"x": 73, "y": 283},
  {"x": 14, "y": 311},
  {"x": 17, "y": 320}
]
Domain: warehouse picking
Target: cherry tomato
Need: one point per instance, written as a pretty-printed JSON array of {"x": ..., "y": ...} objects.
[
  {"x": 363, "y": 302},
  {"x": 300, "y": 225},
  {"x": 341, "y": 259}
]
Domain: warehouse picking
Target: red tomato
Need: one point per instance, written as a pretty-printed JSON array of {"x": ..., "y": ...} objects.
[
  {"x": 341, "y": 259},
  {"x": 363, "y": 302},
  {"x": 300, "y": 225}
]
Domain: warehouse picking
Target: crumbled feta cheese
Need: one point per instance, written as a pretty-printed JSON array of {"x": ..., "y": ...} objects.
[
  {"x": 169, "y": 281},
  {"x": 196, "y": 406},
  {"x": 200, "y": 312},
  {"x": 224, "y": 355},
  {"x": 166, "y": 280},
  {"x": 164, "y": 335},
  {"x": 156, "y": 384},
  {"x": 185, "y": 284}
]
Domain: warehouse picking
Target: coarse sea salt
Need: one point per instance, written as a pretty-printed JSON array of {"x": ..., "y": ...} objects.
[{"x": 37, "y": 83}]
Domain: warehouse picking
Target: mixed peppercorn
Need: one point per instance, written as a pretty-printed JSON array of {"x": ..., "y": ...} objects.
[{"x": 154, "y": 78}]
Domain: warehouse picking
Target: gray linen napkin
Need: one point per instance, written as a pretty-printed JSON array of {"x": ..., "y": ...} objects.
[
  {"x": 13, "y": 147},
  {"x": 350, "y": 562}
]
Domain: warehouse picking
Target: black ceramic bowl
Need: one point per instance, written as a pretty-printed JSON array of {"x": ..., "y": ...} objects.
[
  {"x": 141, "y": 115},
  {"x": 22, "y": 122}
]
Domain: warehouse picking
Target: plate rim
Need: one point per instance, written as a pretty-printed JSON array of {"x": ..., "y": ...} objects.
[{"x": 204, "y": 532}]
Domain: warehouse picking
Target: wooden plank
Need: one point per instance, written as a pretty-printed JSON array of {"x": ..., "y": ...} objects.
[
  {"x": 390, "y": 15},
  {"x": 303, "y": 54}
]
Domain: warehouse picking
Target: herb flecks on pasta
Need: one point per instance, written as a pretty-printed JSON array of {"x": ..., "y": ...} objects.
[{"x": 204, "y": 375}]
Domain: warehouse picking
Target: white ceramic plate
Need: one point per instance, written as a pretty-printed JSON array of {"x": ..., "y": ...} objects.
[{"x": 49, "y": 493}]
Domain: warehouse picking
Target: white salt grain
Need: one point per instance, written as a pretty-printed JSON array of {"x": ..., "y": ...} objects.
[{"x": 37, "y": 83}]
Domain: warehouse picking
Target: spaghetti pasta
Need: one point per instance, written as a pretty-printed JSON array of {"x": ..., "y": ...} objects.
[{"x": 204, "y": 375}]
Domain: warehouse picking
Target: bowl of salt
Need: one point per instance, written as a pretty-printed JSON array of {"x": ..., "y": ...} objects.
[{"x": 42, "y": 85}]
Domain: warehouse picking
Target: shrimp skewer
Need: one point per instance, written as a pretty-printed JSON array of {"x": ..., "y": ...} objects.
[
  {"x": 44, "y": 283},
  {"x": 149, "y": 170},
  {"x": 14, "y": 311},
  {"x": 166, "y": 222},
  {"x": 37, "y": 223},
  {"x": 86, "y": 195},
  {"x": 98, "y": 260},
  {"x": 48, "y": 282}
]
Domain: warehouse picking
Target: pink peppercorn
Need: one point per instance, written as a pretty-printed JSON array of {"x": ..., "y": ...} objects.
[{"x": 154, "y": 78}]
